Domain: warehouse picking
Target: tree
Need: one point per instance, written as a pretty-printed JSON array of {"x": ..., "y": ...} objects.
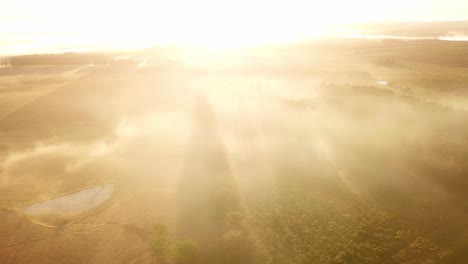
[
  {"x": 160, "y": 242},
  {"x": 237, "y": 247},
  {"x": 187, "y": 251}
]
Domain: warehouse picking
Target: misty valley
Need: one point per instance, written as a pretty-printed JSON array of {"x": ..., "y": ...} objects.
[{"x": 325, "y": 151}]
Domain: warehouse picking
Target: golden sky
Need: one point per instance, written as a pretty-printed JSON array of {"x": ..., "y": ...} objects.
[{"x": 214, "y": 20}]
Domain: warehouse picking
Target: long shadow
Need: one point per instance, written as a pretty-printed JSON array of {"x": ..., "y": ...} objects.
[{"x": 206, "y": 190}]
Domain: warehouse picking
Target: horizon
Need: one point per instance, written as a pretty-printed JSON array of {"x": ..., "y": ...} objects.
[
  {"x": 49, "y": 42},
  {"x": 215, "y": 23}
]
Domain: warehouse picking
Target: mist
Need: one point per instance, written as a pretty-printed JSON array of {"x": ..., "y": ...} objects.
[{"x": 328, "y": 151}]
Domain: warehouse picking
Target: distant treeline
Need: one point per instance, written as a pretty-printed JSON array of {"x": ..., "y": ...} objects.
[{"x": 62, "y": 59}]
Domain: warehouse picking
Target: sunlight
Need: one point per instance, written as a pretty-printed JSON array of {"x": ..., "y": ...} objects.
[
  {"x": 234, "y": 132},
  {"x": 208, "y": 24},
  {"x": 204, "y": 23}
]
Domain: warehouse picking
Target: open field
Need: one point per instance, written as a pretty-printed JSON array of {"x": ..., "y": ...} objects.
[{"x": 345, "y": 151}]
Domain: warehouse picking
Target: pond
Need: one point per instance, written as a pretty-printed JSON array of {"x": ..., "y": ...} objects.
[{"x": 72, "y": 203}]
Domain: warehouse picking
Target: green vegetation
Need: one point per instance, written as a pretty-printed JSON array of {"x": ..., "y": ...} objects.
[
  {"x": 187, "y": 251},
  {"x": 301, "y": 228},
  {"x": 160, "y": 243},
  {"x": 166, "y": 249}
]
